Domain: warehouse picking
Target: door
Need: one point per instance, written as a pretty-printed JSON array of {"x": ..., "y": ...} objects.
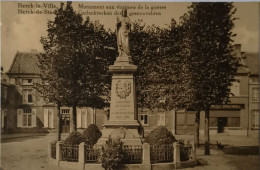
[
  {"x": 65, "y": 123},
  {"x": 222, "y": 122},
  {"x": 65, "y": 120}
]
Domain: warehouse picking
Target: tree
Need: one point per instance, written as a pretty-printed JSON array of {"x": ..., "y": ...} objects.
[
  {"x": 209, "y": 64},
  {"x": 75, "y": 62},
  {"x": 155, "y": 51}
]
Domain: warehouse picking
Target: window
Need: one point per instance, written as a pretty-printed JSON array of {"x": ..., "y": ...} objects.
[
  {"x": 144, "y": 119},
  {"x": 48, "y": 118},
  {"x": 12, "y": 80},
  {"x": 27, "y": 117},
  {"x": 85, "y": 117},
  {"x": 235, "y": 88},
  {"x": 161, "y": 120},
  {"x": 27, "y": 96},
  {"x": 27, "y": 81},
  {"x": 233, "y": 122},
  {"x": 255, "y": 94},
  {"x": 255, "y": 121},
  {"x": 254, "y": 80},
  {"x": 65, "y": 111}
]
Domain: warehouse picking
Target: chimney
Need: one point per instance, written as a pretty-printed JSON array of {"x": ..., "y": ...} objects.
[{"x": 237, "y": 47}]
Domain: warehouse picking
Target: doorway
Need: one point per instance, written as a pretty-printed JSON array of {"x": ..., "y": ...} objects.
[
  {"x": 65, "y": 120},
  {"x": 222, "y": 122}
]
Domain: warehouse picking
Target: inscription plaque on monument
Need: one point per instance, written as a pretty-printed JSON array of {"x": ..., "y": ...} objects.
[{"x": 122, "y": 107}]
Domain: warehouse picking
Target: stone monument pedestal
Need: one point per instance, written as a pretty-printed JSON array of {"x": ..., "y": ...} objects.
[{"x": 123, "y": 122}]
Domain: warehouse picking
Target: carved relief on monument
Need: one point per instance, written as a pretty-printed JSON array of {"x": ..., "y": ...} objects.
[{"x": 123, "y": 89}]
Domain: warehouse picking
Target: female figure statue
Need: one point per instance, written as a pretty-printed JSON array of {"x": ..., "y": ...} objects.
[{"x": 123, "y": 29}]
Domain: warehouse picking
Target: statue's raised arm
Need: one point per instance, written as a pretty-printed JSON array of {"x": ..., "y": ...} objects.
[{"x": 123, "y": 29}]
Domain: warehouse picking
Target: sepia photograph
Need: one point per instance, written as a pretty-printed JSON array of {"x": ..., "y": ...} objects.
[{"x": 88, "y": 85}]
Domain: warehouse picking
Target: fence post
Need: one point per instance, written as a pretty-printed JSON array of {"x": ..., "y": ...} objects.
[
  {"x": 146, "y": 156},
  {"x": 194, "y": 157},
  {"x": 82, "y": 155},
  {"x": 58, "y": 152},
  {"x": 177, "y": 154}
]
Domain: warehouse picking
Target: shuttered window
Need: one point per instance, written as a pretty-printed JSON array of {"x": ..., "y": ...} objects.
[
  {"x": 85, "y": 117},
  {"x": 255, "y": 94},
  {"x": 26, "y": 117},
  {"x": 48, "y": 118},
  {"x": 161, "y": 119}
]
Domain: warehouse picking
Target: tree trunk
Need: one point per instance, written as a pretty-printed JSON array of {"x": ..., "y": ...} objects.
[
  {"x": 58, "y": 123},
  {"x": 73, "y": 119},
  {"x": 206, "y": 133},
  {"x": 197, "y": 129}
]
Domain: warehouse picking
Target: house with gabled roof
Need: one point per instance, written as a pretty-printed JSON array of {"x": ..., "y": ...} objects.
[
  {"x": 33, "y": 114},
  {"x": 23, "y": 73}
]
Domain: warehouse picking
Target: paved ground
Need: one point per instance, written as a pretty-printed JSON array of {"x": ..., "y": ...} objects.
[{"x": 29, "y": 152}]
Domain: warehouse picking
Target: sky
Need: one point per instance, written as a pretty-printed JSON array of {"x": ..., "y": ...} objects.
[{"x": 22, "y": 32}]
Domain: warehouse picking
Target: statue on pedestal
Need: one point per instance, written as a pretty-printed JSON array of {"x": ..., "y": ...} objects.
[
  {"x": 123, "y": 29},
  {"x": 122, "y": 122}
]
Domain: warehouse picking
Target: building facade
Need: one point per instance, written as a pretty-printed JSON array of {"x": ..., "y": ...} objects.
[
  {"x": 31, "y": 113},
  {"x": 253, "y": 88}
]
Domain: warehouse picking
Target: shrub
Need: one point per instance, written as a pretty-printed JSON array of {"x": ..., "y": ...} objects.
[
  {"x": 160, "y": 136},
  {"x": 112, "y": 154},
  {"x": 92, "y": 134},
  {"x": 74, "y": 138}
]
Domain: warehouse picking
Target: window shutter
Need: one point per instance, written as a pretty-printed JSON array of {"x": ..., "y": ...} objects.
[
  {"x": 88, "y": 116},
  {"x": 91, "y": 115},
  {"x": 84, "y": 118},
  {"x": 78, "y": 118},
  {"x": 51, "y": 116},
  {"x": 19, "y": 117},
  {"x": 163, "y": 119},
  {"x": 46, "y": 118},
  {"x": 34, "y": 117},
  {"x": 25, "y": 96}
]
